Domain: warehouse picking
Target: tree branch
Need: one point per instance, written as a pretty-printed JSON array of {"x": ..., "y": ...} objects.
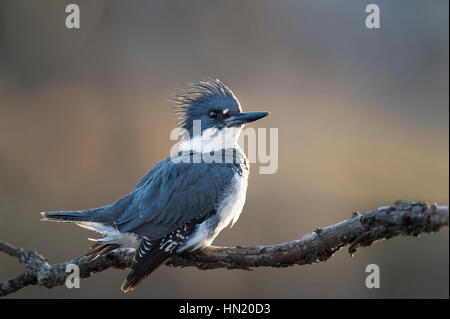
[{"x": 402, "y": 218}]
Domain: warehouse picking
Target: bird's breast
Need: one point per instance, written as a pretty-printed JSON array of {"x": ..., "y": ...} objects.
[{"x": 232, "y": 201}]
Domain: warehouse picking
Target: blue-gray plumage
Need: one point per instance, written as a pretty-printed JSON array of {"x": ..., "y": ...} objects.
[{"x": 182, "y": 203}]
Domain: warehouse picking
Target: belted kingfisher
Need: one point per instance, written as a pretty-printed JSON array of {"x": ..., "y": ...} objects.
[{"x": 184, "y": 201}]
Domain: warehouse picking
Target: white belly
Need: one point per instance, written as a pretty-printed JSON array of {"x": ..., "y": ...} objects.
[
  {"x": 229, "y": 210},
  {"x": 231, "y": 206}
]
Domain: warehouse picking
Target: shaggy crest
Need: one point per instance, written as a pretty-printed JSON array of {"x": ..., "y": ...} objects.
[{"x": 192, "y": 101}]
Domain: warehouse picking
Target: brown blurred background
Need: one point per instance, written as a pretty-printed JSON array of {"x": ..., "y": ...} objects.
[{"x": 363, "y": 119}]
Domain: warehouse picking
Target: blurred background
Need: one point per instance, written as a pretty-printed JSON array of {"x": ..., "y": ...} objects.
[{"x": 362, "y": 116}]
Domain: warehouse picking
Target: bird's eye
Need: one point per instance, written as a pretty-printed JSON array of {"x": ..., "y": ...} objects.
[{"x": 213, "y": 114}]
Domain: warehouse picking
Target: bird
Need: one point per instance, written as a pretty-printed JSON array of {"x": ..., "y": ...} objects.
[{"x": 184, "y": 201}]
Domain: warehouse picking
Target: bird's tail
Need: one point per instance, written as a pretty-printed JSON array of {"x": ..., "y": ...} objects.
[
  {"x": 149, "y": 256},
  {"x": 141, "y": 271}
]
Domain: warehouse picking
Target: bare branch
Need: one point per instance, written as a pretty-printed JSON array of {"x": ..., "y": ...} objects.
[{"x": 402, "y": 218}]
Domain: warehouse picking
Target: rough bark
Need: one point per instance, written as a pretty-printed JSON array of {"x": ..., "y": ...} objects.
[{"x": 402, "y": 218}]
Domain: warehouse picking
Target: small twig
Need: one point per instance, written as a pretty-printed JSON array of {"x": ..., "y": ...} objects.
[{"x": 402, "y": 218}]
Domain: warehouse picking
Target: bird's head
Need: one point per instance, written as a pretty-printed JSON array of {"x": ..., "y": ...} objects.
[{"x": 210, "y": 108}]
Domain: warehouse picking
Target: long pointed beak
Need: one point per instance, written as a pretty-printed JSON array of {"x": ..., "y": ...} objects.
[{"x": 243, "y": 118}]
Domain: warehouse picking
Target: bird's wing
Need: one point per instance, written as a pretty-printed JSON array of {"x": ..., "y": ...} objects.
[
  {"x": 175, "y": 194},
  {"x": 152, "y": 171}
]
